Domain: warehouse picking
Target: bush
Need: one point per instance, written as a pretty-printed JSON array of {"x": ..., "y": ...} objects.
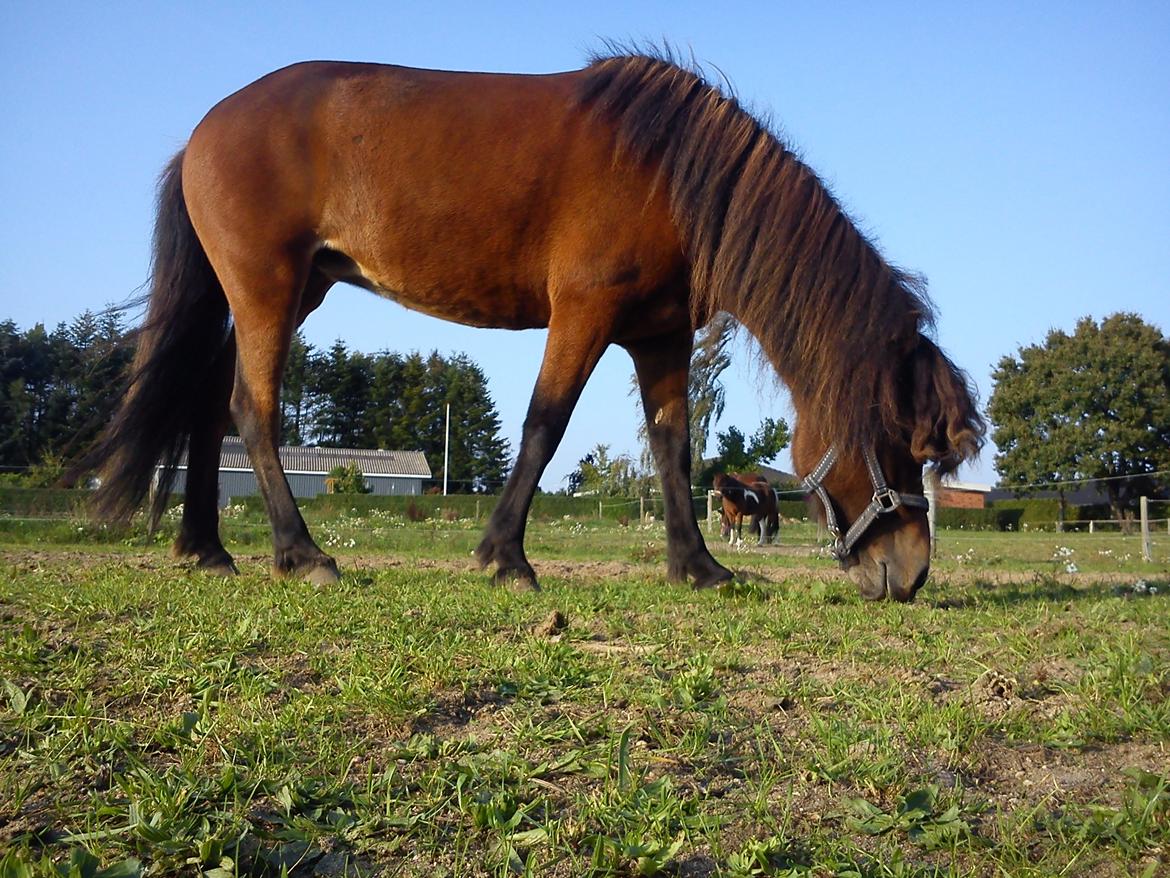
[{"x": 347, "y": 479}]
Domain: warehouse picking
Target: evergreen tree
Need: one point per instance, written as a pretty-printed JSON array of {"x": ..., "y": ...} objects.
[
  {"x": 57, "y": 389},
  {"x": 385, "y": 413},
  {"x": 296, "y": 393},
  {"x": 341, "y": 385},
  {"x": 479, "y": 455}
]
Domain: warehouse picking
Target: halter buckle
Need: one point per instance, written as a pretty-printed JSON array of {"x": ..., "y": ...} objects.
[{"x": 887, "y": 500}]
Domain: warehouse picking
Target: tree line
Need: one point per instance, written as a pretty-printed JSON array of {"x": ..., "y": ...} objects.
[
  {"x": 59, "y": 387},
  {"x": 1090, "y": 405}
]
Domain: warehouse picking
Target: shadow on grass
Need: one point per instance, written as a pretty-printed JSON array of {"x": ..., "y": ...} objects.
[{"x": 1050, "y": 589}]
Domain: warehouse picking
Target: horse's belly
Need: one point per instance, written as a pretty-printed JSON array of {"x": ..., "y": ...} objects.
[{"x": 486, "y": 304}]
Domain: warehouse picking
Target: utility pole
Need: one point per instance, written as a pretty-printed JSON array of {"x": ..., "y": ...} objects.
[{"x": 446, "y": 448}]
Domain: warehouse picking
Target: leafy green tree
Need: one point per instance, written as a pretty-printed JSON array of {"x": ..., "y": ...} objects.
[
  {"x": 738, "y": 453},
  {"x": 604, "y": 476},
  {"x": 705, "y": 389},
  {"x": 1091, "y": 405}
]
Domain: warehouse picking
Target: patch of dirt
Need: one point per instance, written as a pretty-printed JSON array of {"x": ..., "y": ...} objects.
[
  {"x": 1023, "y": 776},
  {"x": 461, "y": 715}
]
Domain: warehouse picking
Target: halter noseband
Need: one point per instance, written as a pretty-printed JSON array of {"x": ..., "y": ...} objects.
[{"x": 885, "y": 499}]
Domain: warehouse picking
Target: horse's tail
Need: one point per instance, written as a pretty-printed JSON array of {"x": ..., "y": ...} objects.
[{"x": 186, "y": 327}]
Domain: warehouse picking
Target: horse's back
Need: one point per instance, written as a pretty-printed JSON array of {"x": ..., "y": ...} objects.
[{"x": 463, "y": 195}]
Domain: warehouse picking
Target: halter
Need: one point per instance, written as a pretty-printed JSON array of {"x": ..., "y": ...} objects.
[{"x": 885, "y": 499}]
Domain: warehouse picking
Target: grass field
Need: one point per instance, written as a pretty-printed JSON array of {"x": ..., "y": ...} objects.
[{"x": 415, "y": 720}]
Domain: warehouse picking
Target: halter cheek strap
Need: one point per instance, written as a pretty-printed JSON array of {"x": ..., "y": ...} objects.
[{"x": 885, "y": 500}]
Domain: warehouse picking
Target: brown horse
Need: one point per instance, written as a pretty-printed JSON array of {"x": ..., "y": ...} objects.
[
  {"x": 624, "y": 203},
  {"x": 747, "y": 495}
]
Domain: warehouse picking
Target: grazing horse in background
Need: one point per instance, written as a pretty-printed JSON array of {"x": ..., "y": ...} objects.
[
  {"x": 624, "y": 203},
  {"x": 750, "y": 495}
]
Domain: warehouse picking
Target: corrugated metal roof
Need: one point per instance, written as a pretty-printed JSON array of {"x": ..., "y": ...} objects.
[{"x": 305, "y": 459}]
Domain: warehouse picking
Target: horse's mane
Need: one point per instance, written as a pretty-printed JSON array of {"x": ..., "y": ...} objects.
[{"x": 767, "y": 242}]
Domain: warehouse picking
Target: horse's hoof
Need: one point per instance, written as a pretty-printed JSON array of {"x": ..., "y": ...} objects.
[
  {"x": 517, "y": 580},
  {"x": 218, "y": 568},
  {"x": 713, "y": 578},
  {"x": 323, "y": 574}
]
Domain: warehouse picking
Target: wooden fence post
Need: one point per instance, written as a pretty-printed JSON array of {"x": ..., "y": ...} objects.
[{"x": 930, "y": 486}]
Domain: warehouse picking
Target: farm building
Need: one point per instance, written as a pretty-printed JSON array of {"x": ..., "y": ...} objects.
[
  {"x": 962, "y": 495},
  {"x": 307, "y": 468}
]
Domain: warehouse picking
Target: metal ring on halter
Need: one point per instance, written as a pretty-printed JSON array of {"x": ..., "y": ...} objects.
[{"x": 885, "y": 500}]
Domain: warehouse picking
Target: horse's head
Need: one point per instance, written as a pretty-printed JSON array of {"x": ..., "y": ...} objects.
[{"x": 871, "y": 497}]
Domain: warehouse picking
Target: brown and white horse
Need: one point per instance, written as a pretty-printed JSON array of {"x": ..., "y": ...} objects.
[
  {"x": 749, "y": 495},
  {"x": 624, "y": 203}
]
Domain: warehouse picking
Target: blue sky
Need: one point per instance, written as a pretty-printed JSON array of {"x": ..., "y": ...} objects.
[{"x": 1015, "y": 154}]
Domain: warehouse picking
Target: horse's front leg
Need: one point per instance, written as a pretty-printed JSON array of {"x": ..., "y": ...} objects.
[
  {"x": 662, "y": 365},
  {"x": 575, "y": 344}
]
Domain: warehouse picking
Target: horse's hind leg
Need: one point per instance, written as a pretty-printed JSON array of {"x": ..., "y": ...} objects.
[
  {"x": 266, "y": 305},
  {"x": 662, "y": 365},
  {"x": 570, "y": 354},
  {"x": 199, "y": 531}
]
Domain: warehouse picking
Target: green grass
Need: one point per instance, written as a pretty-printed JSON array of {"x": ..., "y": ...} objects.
[{"x": 415, "y": 720}]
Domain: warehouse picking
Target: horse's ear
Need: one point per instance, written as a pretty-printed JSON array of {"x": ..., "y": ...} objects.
[{"x": 946, "y": 426}]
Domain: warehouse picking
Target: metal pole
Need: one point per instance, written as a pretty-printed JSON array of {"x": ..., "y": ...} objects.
[
  {"x": 1147, "y": 554},
  {"x": 446, "y": 448},
  {"x": 710, "y": 511},
  {"x": 642, "y": 510}
]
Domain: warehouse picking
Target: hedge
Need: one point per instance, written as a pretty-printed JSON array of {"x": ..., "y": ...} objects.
[
  {"x": 967, "y": 519},
  {"x": 43, "y": 502},
  {"x": 797, "y": 509}
]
